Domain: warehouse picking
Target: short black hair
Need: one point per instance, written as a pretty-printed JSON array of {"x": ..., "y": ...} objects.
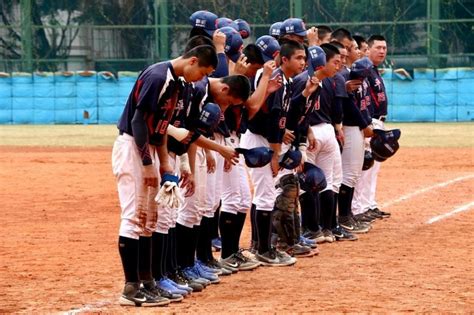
[
  {"x": 207, "y": 56},
  {"x": 337, "y": 44},
  {"x": 199, "y": 31},
  {"x": 323, "y": 30},
  {"x": 373, "y": 38},
  {"x": 253, "y": 54},
  {"x": 330, "y": 51},
  {"x": 198, "y": 40},
  {"x": 340, "y": 34},
  {"x": 359, "y": 39},
  {"x": 288, "y": 48},
  {"x": 239, "y": 86}
]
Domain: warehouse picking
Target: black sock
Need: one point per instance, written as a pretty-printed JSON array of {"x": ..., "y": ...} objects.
[
  {"x": 214, "y": 224},
  {"x": 345, "y": 200},
  {"x": 172, "y": 261},
  {"x": 193, "y": 245},
  {"x": 264, "y": 231},
  {"x": 253, "y": 222},
  {"x": 129, "y": 249},
  {"x": 240, "y": 226},
  {"x": 308, "y": 212},
  {"x": 334, "y": 212},
  {"x": 327, "y": 207},
  {"x": 203, "y": 239},
  {"x": 227, "y": 222},
  {"x": 144, "y": 258},
  {"x": 183, "y": 239},
  {"x": 157, "y": 254}
]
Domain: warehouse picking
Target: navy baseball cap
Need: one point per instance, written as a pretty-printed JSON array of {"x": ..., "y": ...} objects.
[
  {"x": 316, "y": 59},
  {"x": 361, "y": 68},
  {"x": 312, "y": 178},
  {"x": 244, "y": 28},
  {"x": 208, "y": 119},
  {"x": 293, "y": 26},
  {"x": 275, "y": 29},
  {"x": 233, "y": 43},
  {"x": 384, "y": 143},
  {"x": 291, "y": 159},
  {"x": 205, "y": 20},
  {"x": 223, "y": 22},
  {"x": 269, "y": 47},
  {"x": 256, "y": 157}
]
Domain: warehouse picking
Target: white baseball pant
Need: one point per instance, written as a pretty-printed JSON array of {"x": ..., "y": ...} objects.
[
  {"x": 352, "y": 155},
  {"x": 214, "y": 181}
]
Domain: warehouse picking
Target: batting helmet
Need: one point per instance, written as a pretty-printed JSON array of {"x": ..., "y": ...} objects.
[
  {"x": 291, "y": 159},
  {"x": 316, "y": 59},
  {"x": 244, "y": 28},
  {"x": 205, "y": 20},
  {"x": 256, "y": 157},
  {"x": 368, "y": 160},
  {"x": 384, "y": 143},
  {"x": 361, "y": 68},
  {"x": 312, "y": 178},
  {"x": 233, "y": 43}
]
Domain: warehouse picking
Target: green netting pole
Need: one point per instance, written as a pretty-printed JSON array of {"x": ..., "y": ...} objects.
[
  {"x": 433, "y": 33},
  {"x": 156, "y": 51},
  {"x": 296, "y": 8},
  {"x": 26, "y": 35},
  {"x": 163, "y": 40}
]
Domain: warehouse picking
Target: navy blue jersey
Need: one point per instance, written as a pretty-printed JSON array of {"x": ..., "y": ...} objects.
[
  {"x": 378, "y": 94},
  {"x": 355, "y": 107},
  {"x": 155, "y": 93},
  {"x": 270, "y": 120},
  {"x": 236, "y": 119},
  {"x": 333, "y": 93}
]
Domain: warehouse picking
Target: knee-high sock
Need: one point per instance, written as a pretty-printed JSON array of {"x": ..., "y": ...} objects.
[
  {"x": 334, "y": 212},
  {"x": 227, "y": 223},
  {"x": 253, "y": 223},
  {"x": 214, "y": 224},
  {"x": 144, "y": 258},
  {"x": 184, "y": 245},
  {"x": 129, "y": 249},
  {"x": 264, "y": 230},
  {"x": 157, "y": 255},
  {"x": 240, "y": 226},
  {"x": 309, "y": 212},
  {"x": 204, "y": 240},
  {"x": 327, "y": 208},
  {"x": 345, "y": 200},
  {"x": 172, "y": 264}
]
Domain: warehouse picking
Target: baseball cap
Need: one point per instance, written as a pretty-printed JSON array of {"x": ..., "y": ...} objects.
[
  {"x": 244, "y": 28},
  {"x": 256, "y": 157},
  {"x": 233, "y": 43},
  {"x": 291, "y": 159},
  {"x": 275, "y": 29},
  {"x": 269, "y": 47},
  {"x": 223, "y": 22},
  {"x": 312, "y": 178},
  {"x": 384, "y": 143},
  {"x": 205, "y": 20},
  {"x": 293, "y": 26},
  {"x": 361, "y": 68},
  {"x": 316, "y": 59}
]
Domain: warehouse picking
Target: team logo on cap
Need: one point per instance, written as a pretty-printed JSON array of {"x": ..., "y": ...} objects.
[
  {"x": 204, "y": 116},
  {"x": 200, "y": 23},
  {"x": 314, "y": 53},
  {"x": 290, "y": 28},
  {"x": 262, "y": 45}
]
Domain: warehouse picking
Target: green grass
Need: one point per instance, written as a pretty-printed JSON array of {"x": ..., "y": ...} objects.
[{"x": 413, "y": 135}]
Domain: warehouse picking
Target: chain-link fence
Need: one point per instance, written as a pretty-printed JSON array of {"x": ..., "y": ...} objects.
[{"x": 126, "y": 35}]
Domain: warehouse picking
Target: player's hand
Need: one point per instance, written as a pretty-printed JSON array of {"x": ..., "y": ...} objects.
[
  {"x": 352, "y": 85},
  {"x": 268, "y": 68},
  {"x": 229, "y": 154},
  {"x": 227, "y": 166},
  {"x": 241, "y": 66},
  {"x": 187, "y": 182},
  {"x": 312, "y": 36},
  {"x": 275, "y": 165},
  {"x": 340, "y": 136},
  {"x": 219, "y": 41},
  {"x": 312, "y": 85},
  {"x": 274, "y": 84},
  {"x": 312, "y": 143},
  {"x": 150, "y": 176},
  {"x": 368, "y": 132},
  {"x": 304, "y": 157},
  {"x": 211, "y": 162},
  {"x": 288, "y": 137}
]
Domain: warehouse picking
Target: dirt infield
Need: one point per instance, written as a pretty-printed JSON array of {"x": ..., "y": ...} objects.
[{"x": 58, "y": 248}]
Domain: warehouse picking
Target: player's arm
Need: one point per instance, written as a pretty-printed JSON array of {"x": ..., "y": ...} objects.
[
  {"x": 227, "y": 153},
  {"x": 222, "y": 69},
  {"x": 140, "y": 135},
  {"x": 163, "y": 155},
  {"x": 258, "y": 97}
]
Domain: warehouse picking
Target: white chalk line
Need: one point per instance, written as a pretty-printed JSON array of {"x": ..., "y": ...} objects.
[
  {"x": 99, "y": 305},
  {"x": 426, "y": 189},
  {"x": 440, "y": 217}
]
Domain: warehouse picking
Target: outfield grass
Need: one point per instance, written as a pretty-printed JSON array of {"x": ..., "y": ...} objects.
[{"x": 413, "y": 135}]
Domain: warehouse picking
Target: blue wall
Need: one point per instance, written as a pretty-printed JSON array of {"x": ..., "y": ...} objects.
[{"x": 62, "y": 98}]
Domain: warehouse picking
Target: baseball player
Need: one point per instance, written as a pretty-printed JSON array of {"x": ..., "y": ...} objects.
[
  {"x": 363, "y": 46},
  {"x": 294, "y": 29},
  {"x": 364, "y": 203},
  {"x": 267, "y": 128},
  {"x": 139, "y": 156}
]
